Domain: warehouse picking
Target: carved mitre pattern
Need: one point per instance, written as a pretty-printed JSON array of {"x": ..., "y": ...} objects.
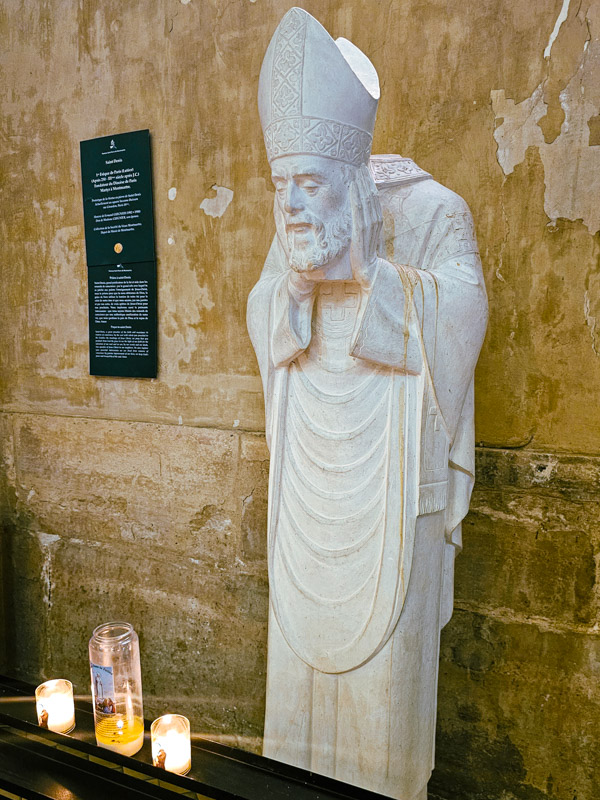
[
  {"x": 286, "y": 79},
  {"x": 290, "y": 131},
  {"x": 322, "y": 137}
]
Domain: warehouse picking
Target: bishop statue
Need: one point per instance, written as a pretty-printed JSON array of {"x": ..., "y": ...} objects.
[{"x": 367, "y": 322}]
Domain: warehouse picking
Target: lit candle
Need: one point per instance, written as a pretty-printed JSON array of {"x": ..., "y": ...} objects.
[
  {"x": 171, "y": 747},
  {"x": 54, "y": 705}
]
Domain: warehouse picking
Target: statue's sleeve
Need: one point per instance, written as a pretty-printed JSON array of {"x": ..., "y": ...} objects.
[
  {"x": 431, "y": 318},
  {"x": 279, "y": 322}
]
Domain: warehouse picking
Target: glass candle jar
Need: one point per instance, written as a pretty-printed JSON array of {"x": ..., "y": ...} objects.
[
  {"x": 54, "y": 705},
  {"x": 117, "y": 687},
  {"x": 171, "y": 747}
]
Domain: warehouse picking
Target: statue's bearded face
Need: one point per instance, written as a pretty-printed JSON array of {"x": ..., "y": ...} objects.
[{"x": 312, "y": 209}]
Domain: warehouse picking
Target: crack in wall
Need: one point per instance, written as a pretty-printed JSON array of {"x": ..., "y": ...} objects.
[{"x": 557, "y": 26}]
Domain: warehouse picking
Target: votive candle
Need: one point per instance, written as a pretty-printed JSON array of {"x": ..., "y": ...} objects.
[
  {"x": 171, "y": 746},
  {"x": 55, "y": 706}
]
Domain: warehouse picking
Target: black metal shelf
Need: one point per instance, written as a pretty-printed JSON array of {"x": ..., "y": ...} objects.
[{"x": 43, "y": 765}]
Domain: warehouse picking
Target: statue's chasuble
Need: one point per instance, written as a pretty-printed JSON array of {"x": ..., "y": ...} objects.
[{"x": 370, "y": 426}]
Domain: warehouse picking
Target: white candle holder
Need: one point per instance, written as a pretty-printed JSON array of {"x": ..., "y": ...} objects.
[
  {"x": 171, "y": 746},
  {"x": 55, "y": 706}
]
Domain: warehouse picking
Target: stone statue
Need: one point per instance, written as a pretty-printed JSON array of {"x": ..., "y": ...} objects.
[{"x": 367, "y": 322}]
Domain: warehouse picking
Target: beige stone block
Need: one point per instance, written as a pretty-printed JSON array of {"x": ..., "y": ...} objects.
[
  {"x": 160, "y": 486},
  {"x": 254, "y": 448},
  {"x": 531, "y": 538},
  {"x": 520, "y": 702},
  {"x": 254, "y": 473},
  {"x": 202, "y": 631}
]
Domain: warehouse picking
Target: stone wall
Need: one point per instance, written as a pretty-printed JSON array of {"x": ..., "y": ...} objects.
[
  {"x": 519, "y": 705},
  {"x": 147, "y": 499}
]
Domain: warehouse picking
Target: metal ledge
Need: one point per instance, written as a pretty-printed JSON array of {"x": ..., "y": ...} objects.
[{"x": 43, "y": 765}]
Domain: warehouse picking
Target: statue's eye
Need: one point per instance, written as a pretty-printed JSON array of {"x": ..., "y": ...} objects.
[{"x": 310, "y": 188}]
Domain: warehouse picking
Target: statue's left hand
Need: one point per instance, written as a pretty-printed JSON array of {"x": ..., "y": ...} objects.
[{"x": 367, "y": 224}]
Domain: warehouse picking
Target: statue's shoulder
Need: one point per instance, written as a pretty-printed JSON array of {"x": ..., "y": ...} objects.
[
  {"x": 390, "y": 171},
  {"x": 424, "y": 222},
  {"x": 401, "y": 181}
]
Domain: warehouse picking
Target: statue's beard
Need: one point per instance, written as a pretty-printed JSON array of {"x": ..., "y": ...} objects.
[{"x": 328, "y": 240}]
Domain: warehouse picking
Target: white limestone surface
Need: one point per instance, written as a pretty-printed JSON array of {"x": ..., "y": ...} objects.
[{"x": 367, "y": 322}]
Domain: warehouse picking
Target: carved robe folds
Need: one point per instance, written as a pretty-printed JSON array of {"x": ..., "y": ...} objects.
[{"x": 370, "y": 424}]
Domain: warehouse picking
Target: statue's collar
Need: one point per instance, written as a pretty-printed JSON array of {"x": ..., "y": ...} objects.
[{"x": 391, "y": 170}]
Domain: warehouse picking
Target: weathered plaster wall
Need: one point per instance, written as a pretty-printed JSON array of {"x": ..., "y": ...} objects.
[{"x": 147, "y": 499}]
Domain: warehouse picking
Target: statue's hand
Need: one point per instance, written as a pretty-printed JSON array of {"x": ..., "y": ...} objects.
[
  {"x": 367, "y": 225},
  {"x": 300, "y": 287}
]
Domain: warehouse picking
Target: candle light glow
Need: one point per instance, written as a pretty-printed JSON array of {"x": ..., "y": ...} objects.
[
  {"x": 55, "y": 706},
  {"x": 171, "y": 747}
]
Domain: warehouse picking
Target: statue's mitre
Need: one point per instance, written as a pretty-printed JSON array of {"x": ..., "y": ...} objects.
[{"x": 316, "y": 95}]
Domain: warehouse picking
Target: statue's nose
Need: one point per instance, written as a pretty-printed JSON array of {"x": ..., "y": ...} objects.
[{"x": 293, "y": 198}]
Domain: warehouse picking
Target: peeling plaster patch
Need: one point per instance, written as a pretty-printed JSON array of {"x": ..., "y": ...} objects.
[
  {"x": 519, "y": 129},
  {"x": 185, "y": 2},
  {"x": 571, "y": 166},
  {"x": 559, "y": 21},
  {"x": 217, "y": 206},
  {"x": 236, "y": 423},
  {"x": 52, "y": 207},
  {"x": 172, "y": 193},
  {"x": 205, "y": 299},
  {"x": 591, "y": 319},
  {"x": 46, "y": 541},
  {"x": 171, "y": 240},
  {"x": 182, "y": 339},
  {"x": 180, "y": 420}
]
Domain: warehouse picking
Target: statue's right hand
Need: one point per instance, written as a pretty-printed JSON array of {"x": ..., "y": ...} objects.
[{"x": 367, "y": 225}]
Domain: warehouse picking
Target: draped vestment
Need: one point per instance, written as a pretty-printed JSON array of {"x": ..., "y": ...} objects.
[{"x": 369, "y": 420}]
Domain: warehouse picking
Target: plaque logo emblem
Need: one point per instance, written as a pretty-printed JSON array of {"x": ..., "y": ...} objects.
[{"x": 113, "y": 146}]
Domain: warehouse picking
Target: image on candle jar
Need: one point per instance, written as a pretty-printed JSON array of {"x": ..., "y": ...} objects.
[
  {"x": 55, "y": 706},
  {"x": 104, "y": 689}
]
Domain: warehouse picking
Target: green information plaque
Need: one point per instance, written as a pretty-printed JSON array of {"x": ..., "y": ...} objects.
[{"x": 119, "y": 239}]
